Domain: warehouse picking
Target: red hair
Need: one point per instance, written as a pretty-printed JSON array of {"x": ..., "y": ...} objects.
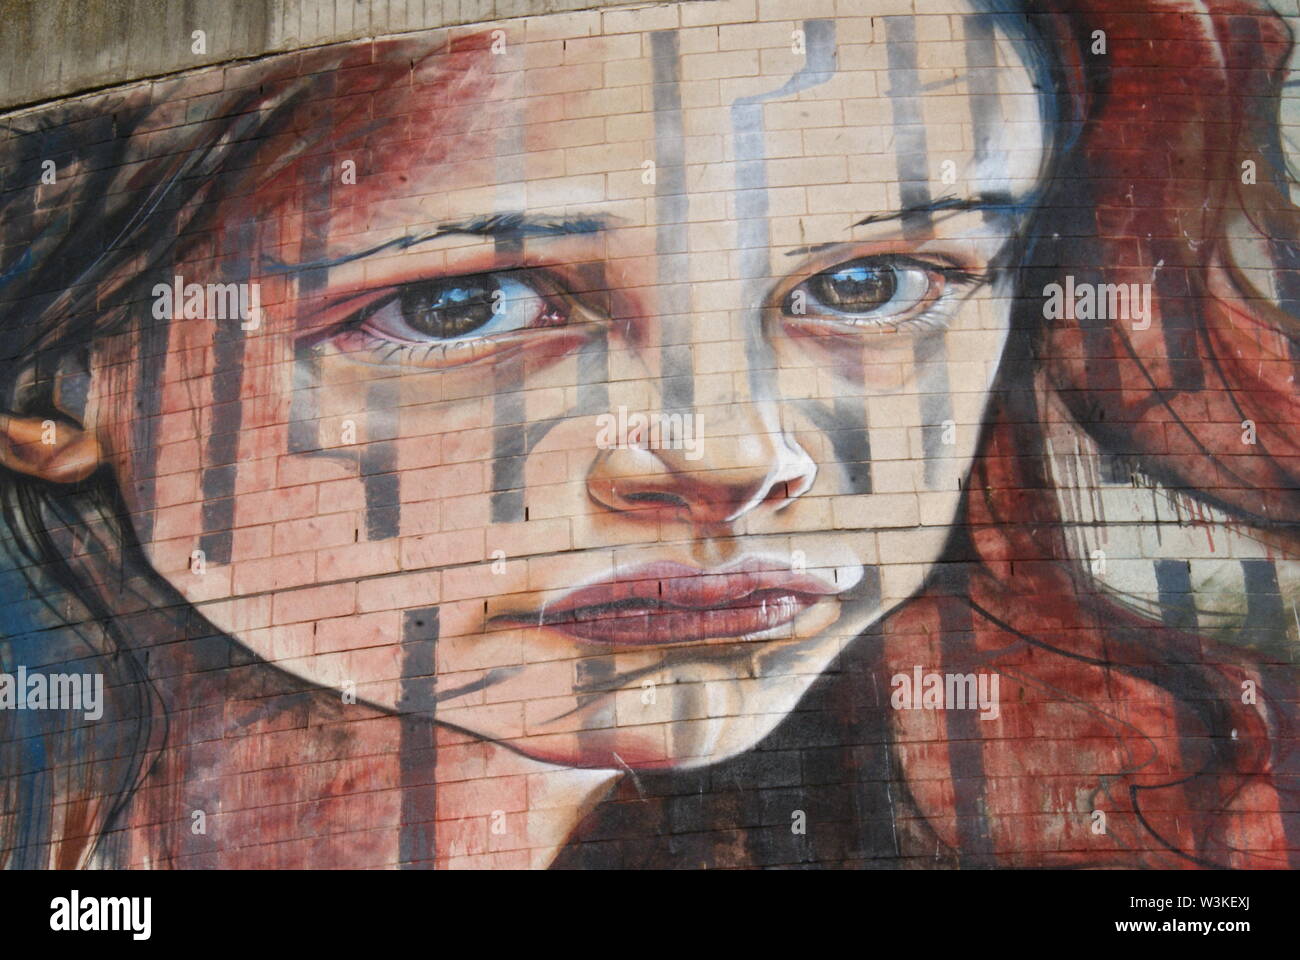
[{"x": 1103, "y": 710}]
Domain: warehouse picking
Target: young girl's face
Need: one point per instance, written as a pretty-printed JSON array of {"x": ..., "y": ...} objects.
[{"x": 585, "y": 413}]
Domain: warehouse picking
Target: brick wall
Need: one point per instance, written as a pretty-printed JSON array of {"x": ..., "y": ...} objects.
[{"x": 725, "y": 433}]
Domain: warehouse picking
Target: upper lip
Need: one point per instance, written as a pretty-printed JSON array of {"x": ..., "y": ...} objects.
[{"x": 680, "y": 585}]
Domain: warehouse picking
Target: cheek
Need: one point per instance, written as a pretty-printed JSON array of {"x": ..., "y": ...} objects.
[
  {"x": 350, "y": 492},
  {"x": 909, "y": 555},
  {"x": 268, "y": 513}
]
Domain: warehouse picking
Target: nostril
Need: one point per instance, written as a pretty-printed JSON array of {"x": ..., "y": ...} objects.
[
  {"x": 777, "y": 494},
  {"x": 655, "y": 496}
]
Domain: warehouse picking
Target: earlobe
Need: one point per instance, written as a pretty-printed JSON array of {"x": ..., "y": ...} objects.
[{"x": 53, "y": 450}]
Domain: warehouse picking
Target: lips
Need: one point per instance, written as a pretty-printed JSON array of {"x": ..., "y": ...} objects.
[{"x": 666, "y": 603}]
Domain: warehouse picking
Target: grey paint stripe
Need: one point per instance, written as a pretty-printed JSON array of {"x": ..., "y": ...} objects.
[
  {"x": 304, "y": 407},
  {"x": 1174, "y": 584},
  {"x": 869, "y": 587},
  {"x": 221, "y": 462},
  {"x": 911, "y": 158},
  {"x": 516, "y": 442},
  {"x": 982, "y": 83},
  {"x": 751, "y": 154},
  {"x": 593, "y": 359},
  {"x": 844, "y": 422},
  {"x": 752, "y": 207},
  {"x": 910, "y": 147},
  {"x": 852, "y": 440},
  {"x": 508, "y": 448},
  {"x": 508, "y": 436},
  {"x": 593, "y": 375},
  {"x": 509, "y": 155},
  {"x": 380, "y": 478},
  {"x": 418, "y": 746},
  {"x": 1180, "y": 326},
  {"x": 1265, "y": 613},
  {"x": 155, "y": 339},
  {"x": 964, "y": 741},
  {"x": 677, "y": 373},
  {"x": 595, "y": 673},
  {"x": 304, "y": 413},
  {"x": 930, "y": 354}
]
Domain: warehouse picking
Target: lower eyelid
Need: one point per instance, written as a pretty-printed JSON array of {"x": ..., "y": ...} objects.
[{"x": 382, "y": 350}]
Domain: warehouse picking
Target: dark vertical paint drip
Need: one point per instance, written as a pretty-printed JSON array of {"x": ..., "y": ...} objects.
[
  {"x": 594, "y": 673},
  {"x": 304, "y": 425},
  {"x": 1179, "y": 316},
  {"x": 844, "y": 422},
  {"x": 304, "y": 412},
  {"x": 221, "y": 461},
  {"x": 418, "y": 747},
  {"x": 593, "y": 359},
  {"x": 930, "y": 354},
  {"x": 1174, "y": 587},
  {"x": 155, "y": 337},
  {"x": 851, "y": 440},
  {"x": 508, "y": 448},
  {"x": 593, "y": 375},
  {"x": 957, "y": 634},
  {"x": 380, "y": 478},
  {"x": 318, "y": 200},
  {"x": 1265, "y": 613}
]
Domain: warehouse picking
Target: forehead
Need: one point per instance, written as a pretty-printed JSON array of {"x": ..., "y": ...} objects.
[{"x": 832, "y": 118}]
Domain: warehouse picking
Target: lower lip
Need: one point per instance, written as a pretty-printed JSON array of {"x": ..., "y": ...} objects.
[{"x": 650, "y": 626}]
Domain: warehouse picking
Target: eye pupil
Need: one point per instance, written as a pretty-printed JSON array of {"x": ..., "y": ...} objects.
[
  {"x": 448, "y": 309},
  {"x": 857, "y": 286}
]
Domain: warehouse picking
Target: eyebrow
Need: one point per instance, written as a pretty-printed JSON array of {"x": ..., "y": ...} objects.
[
  {"x": 507, "y": 227},
  {"x": 1003, "y": 204}
]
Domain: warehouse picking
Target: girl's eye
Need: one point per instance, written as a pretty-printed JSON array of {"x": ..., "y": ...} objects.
[
  {"x": 878, "y": 289},
  {"x": 457, "y": 309}
]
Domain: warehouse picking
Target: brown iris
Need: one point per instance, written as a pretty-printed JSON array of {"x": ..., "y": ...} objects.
[
  {"x": 450, "y": 308},
  {"x": 858, "y": 286}
]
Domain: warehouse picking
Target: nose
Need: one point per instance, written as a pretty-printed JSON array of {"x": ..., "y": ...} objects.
[{"x": 740, "y": 463}]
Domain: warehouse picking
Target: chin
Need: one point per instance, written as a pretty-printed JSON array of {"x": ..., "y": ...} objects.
[
  {"x": 677, "y": 716},
  {"x": 672, "y": 745}
]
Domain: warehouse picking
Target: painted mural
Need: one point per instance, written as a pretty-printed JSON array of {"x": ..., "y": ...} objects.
[{"x": 717, "y": 434}]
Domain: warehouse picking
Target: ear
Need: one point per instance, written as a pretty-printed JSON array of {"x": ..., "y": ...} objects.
[{"x": 55, "y": 450}]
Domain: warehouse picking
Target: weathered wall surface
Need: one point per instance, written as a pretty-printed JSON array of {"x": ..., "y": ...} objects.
[
  {"x": 65, "y": 47},
  {"x": 730, "y": 433}
]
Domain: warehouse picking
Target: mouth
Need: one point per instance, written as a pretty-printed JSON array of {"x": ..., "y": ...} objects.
[{"x": 672, "y": 603}]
